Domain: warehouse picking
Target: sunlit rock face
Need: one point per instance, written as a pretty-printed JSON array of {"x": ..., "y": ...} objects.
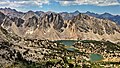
[{"x": 55, "y": 26}]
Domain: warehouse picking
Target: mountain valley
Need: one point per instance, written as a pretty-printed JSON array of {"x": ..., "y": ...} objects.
[{"x": 57, "y": 40}]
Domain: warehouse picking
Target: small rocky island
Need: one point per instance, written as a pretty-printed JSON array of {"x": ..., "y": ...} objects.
[{"x": 17, "y": 52}]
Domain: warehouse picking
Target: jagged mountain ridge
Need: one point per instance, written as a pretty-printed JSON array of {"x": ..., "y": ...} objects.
[
  {"x": 54, "y": 26},
  {"x": 11, "y": 12},
  {"x": 115, "y": 18},
  {"x": 14, "y": 13}
]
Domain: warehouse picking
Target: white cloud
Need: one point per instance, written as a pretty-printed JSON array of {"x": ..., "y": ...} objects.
[
  {"x": 39, "y": 3},
  {"x": 90, "y": 2},
  {"x": 20, "y": 3}
]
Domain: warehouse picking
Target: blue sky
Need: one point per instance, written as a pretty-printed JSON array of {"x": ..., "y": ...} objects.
[{"x": 97, "y": 6}]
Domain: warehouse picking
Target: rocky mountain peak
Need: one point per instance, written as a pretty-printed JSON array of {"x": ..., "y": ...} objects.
[
  {"x": 28, "y": 15},
  {"x": 11, "y": 12},
  {"x": 76, "y": 13},
  {"x": 40, "y": 13},
  {"x": 81, "y": 26},
  {"x": 106, "y": 15}
]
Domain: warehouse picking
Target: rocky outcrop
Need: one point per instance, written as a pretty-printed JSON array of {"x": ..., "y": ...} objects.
[
  {"x": 2, "y": 16},
  {"x": 28, "y": 15},
  {"x": 18, "y": 21}
]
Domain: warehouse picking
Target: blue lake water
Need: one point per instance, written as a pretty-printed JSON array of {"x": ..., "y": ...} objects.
[
  {"x": 67, "y": 42},
  {"x": 95, "y": 57},
  {"x": 70, "y": 49}
]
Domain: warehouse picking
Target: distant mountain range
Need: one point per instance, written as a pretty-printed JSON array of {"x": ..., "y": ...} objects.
[
  {"x": 115, "y": 18},
  {"x": 14, "y": 13},
  {"x": 11, "y": 12},
  {"x": 60, "y": 26}
]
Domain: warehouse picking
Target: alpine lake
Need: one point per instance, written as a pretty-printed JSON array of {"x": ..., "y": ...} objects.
[{"x": 69, "y": 46}]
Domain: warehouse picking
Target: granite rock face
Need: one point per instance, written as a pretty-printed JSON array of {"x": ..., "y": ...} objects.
[{"x": 54, "y": 26}]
